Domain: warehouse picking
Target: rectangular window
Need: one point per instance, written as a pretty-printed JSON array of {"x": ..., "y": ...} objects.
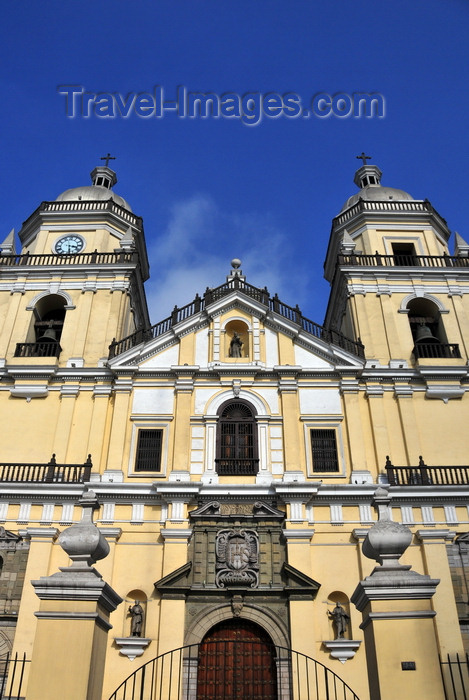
[
  {"x": 404, "y": 254},
  {"x": 324, "y": 450},
  {"x": 149, "y": 446}
]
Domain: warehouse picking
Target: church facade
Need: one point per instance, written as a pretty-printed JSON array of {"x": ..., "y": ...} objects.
[{"x": 240, "y": 454}]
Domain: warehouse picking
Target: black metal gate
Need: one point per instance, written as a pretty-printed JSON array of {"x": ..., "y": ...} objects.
[
  {"x": 455, "y": 675},
  {"x": 174, "y": 676}
]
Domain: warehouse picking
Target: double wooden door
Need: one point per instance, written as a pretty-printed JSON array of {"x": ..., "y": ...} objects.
[{"x": 236, "y": 662}]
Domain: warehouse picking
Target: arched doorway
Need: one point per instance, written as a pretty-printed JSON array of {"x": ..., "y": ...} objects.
[{"x": 237, "y": 662}]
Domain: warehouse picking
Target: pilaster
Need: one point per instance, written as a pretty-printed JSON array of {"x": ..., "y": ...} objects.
[
  {"x": 288, "y": 390},
  {"x": 356, "y": 439},
  {"x": 122, "y": 392},
  {"x": 41, "y": 540},
  {"x": 73, "y": 618},
  {"x": 436, "y": 564}
]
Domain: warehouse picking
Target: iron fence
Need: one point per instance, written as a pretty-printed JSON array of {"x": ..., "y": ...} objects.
[
  {"x": 423, "y": 475},
  {"x": 50, "y": 473},
  {"x": 210, "y": 296},
  {"x": 12, "y": 676},
  {"x": 455, "y": 676},
  {"x": 178, "y": 675}
]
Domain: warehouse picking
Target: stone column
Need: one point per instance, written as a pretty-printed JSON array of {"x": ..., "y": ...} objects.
[
  {"x": 73, "y": 619},
  {"x": 396, "y": 605}
]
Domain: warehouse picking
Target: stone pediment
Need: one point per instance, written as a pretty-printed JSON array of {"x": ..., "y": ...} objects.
[
  {"x": 209, "y": 509},
  {"x": 298, "y": 585},
  {"x": 312, "y": 346},
  {"x": 176, "y": 584},
  {"x": 8, "y": 536},
  {"x": 252, "y": 511}
]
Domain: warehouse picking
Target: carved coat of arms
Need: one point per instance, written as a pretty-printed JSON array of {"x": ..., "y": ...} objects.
[{"x": 237, "y": 553}]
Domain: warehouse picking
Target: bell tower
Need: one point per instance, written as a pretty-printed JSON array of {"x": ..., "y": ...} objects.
[
  {"x": 393, "y": 281},
  {"x": 78, "y": 281}
]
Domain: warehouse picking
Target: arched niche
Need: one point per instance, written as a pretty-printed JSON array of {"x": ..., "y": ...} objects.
[
  {"x": 135, "y": 597},
  {"x": 237, "y": 340},
  {"x": 339, "y": 598}
]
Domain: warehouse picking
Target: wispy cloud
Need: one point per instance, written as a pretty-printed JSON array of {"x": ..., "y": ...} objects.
[{"x": 195, "y": 251}]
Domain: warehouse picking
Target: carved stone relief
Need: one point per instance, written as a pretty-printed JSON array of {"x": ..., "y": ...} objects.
[{"x": 237, "y": 558}]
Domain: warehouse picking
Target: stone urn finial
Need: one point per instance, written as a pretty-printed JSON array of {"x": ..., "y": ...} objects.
[
  {"x": 386, "y": 541},
  {"x": 83, "y": 542}
]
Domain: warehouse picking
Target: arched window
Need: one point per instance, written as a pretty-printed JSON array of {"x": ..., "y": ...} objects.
[{"x": 237, "y": 452}]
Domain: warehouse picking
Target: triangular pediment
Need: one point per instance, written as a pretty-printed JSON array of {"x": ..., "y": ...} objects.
[
  {"x": 312, "y": 346},
  {"x": 177, "y": 582},
  {"x": 297, "y": 583}
]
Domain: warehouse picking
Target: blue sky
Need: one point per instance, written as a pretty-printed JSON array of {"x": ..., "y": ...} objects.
[{"x": 213, "y": 189}]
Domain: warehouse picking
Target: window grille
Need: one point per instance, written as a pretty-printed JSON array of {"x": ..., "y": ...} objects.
[
  {"x": 324, "y": 450},
  {"x": 237, "y": 443},
  {"x": 149, "y": 446}
]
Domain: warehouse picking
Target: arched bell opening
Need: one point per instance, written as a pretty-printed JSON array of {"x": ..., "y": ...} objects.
[
  {"x": 427, "y": 328},
  {"x": 49, "y": 316},
  {"x": 45, "y": 331}
]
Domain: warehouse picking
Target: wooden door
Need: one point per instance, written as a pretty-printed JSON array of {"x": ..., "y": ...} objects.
[{"x": 236, "y": 662}]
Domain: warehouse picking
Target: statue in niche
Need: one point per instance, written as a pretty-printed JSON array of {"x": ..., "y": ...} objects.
[
  {"x": 136, "y": 613},
  {"x": 340, "y": 620},
  {"x": 236, "y": 345}
]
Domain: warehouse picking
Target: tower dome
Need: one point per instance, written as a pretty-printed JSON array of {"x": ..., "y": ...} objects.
[
  {"x": 103, "y": 178},
  {"x": 368, "y": 179}
]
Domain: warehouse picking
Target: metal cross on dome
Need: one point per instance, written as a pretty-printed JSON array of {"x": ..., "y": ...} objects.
[
  {"x": 363, "y": 157},
  {"x": 109, "y": 157}
]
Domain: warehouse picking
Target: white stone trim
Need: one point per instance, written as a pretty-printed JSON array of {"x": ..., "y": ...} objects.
[
  {"x": 57, "y": 292},
  {"x": 137, "y": 513},
  {"x": 149, "y": 423},
  {"x": 331, "y": 423},
  {"x": 422, "y": 295}
]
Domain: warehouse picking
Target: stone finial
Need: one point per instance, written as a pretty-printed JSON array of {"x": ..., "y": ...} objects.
[
  {"x": 83, "y": 542},
  {"x": 127, "y": 241},
  {"x": 347, "y": 246},
  {"x": 236, "y": 272},
  {"x": 8, "y": 246},
  {"x": 461, "y": 247},
  {"x": 386, "y": 541}
]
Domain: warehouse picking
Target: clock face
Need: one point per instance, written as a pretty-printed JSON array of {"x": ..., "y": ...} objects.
[{"x": 69, "y": 245}]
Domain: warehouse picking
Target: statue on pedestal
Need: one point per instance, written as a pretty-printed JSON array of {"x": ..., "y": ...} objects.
[
  {"x": 136, "y": 612},
  {"x": 340, "y": 620}
]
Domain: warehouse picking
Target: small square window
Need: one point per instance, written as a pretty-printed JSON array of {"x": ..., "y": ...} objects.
[
  {"x": 149, "y": 446},
  {"x": 324, "y": 450}
]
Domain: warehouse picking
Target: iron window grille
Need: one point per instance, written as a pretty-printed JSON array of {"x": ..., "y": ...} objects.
[
  {"x": 149, "y": 448},
  {"x": 237, "y": 441},
  {"x": 324, "y": 450}
]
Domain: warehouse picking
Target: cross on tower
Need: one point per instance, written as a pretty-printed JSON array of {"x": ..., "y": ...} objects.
[
  {"x": 363, "y": 157},
  {"x": 109, "y": 157}
]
